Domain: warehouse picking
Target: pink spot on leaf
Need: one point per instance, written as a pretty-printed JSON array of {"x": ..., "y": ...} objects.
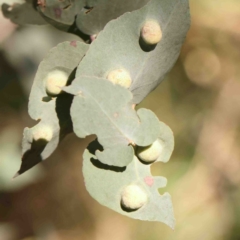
[
  {"x": 73, "y": 43},
  {"x": 149, "y": 181},
  {"x": 93, "y": 37},
  {"x": 57, "y": 12}
]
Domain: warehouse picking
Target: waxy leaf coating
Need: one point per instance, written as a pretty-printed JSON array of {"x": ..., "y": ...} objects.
[
  {"x": 53, "y": 112},
  {"x": 63, "y": 11},
  {"x": 166, "y": 139},
  {"x": 22, "y": 13},
  {"x": 94, "y": 89},
  {"x": 103, "y": 108},
  {"x": 100, "y": 12},
  {"x": 119, "y": 45},
  {"x": 106, "y": 184}
]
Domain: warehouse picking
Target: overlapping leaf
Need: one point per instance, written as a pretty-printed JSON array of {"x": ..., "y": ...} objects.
[
  {"x": 117, "y": 46},
  {"x": 52, "y": 112},
  {"x": 22, "y": 13},
  {"x": 102, "y": 108},
  {"x": 100, "y": 12},
  {"x": 91, "y": 15},
  {"x": 165, "y": 136},
  {"x": 105, "y": 183},
  {"x": 119, "y": 156},
  {"x": 63, "y": 12}
]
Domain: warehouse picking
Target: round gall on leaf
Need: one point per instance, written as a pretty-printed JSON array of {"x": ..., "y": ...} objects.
[
  {"x": 42, "y": 133},
  {"x": 121, "y": 77},
  {"x": 133, "y": 197},
  {"x": 151, "y": 32},
  {"x": 54, "y": 81},
  {"x": 150, "y": 153}
]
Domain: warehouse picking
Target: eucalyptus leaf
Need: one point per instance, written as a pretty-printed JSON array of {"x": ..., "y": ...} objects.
[
  {"x": 66, "y": 27},
  {"x": 119, "y": 46},
  {"x": 166, "y": 139},
  {"x": 22, "y": 13},
  {"x": 106, "y": 184},
  {"x": 119, "y": 156},
  {"x": 106, "y": 111},
  {"x": 62, "y": 14},
  {"x": 53, "y": 112},
  {"x": 93, "y": 20},
  {"x": 63, "y": 11},
  {"x": 60, "y": 26},
  {"x": 102, "y": 108}
]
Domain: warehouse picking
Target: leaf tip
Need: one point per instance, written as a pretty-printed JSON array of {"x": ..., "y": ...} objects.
[{"x": 16, "y": 175}]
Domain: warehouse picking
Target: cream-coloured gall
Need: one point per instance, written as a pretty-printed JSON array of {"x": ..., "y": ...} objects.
[
  {"x": 150, "y": 153},
  {"x": 55, "y": 80},
  {"x": 121, "y": 77},
  {"x": 151, "y": 32},
  {"x": 42, "y": 133},
  {"x": 133, "y": 197}
]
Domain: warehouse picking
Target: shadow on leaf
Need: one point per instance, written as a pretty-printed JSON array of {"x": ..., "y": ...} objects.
[
  {"x": 63, "y": 103},
  {"x": 32, "y": 156},
  {"x": 98, "y": 164}
]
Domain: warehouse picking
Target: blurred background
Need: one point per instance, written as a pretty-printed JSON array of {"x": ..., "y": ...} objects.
[{"x": 199, "y": 100}]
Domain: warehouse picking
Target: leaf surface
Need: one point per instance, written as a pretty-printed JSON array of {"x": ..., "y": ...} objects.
[
  {"x": 119, "y": 156},
  {"x": 106, "y": 111},
  {"x": 105, "y": 185},
  {"x": 100, "y": 12},
  {"x": 22, "y": 14},
  {"x": 63, "y": 11},
  {"x": 118, "y": 46},
  {"x": 52, "y": 112},
  {"x": 102, "y": 108}
]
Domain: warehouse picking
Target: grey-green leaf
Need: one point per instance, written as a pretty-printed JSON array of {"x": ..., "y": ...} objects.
[
  {"x": 62, "y": 11},
  {"x": 93, "y": 20},
  {"x": 102, "y": 108},
  {"x": 166, "y": 140},
  {"x": 60, "y": 26},
  {"x": 119, "y": 46},
  {"x": 106, "y": 184},
  {"x": 53, "y": 112},
  {"x": 107, "y": 112},
  {"x": 22, "y": 13},
  {"x": 70, "y": 27},
  {"x": 119, "y": 156}
]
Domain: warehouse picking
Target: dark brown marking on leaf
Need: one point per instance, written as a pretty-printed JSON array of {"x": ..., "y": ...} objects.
[
  {"x": 87, "y": 9},
  {"x": 66, "y": 7}
]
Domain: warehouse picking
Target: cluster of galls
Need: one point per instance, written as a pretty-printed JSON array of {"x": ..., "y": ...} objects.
[{"x": 133, "y": 196}]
